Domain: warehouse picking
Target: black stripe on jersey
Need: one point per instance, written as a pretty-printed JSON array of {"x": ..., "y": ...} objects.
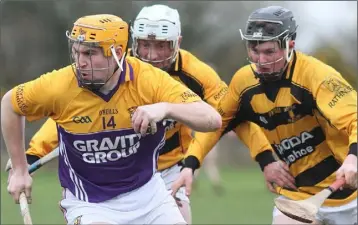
[
  {"x": 190, "y": 81},
  {"x": 307, "y": 97},
  {"x": 170, "y": 144},
  {"x": 342, "y": 194},
  {"x": 239, "y": 116},
  {"x": 279, "y": 115},
  {"x": 303, "y": 95},
  {"x": 319, "y": 173}
]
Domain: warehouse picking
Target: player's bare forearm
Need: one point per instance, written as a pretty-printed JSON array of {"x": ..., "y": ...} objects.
[
  {"x": 12, "y": 126},
  {"x": 199, "y": 116}
]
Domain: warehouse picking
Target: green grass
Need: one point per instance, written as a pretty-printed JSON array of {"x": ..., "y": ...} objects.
[{"x": 245, "y": 200}]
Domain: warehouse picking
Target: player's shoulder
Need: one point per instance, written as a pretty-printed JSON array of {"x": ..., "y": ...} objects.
[
  {"x": 144, "y": 74},
  {"x": 311, "y": 72},
  {"x": 59, "y": 80},
  {"x": 143, "y": 70},
  {"x": 65, "y": 73},
  {"x": 243, "y": 80},
  {"x": 195, "y": 67}
]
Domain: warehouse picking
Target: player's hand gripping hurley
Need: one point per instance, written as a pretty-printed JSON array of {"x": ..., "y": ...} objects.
[{"x": 25, "y": 212}]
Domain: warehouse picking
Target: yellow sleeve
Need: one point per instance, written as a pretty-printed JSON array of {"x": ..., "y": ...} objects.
[
  {"x": 337, "y": 101},
  {"x": 253, "y": 137},
  {"x": 214, "y": 87},
  {"x": 202, "y": 143},
  {"x": 45, "y": 140},
  {"x": 39, "y": 98}
]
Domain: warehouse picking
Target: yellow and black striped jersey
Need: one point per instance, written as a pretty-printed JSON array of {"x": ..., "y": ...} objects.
[{"x": 309, "y": 117}]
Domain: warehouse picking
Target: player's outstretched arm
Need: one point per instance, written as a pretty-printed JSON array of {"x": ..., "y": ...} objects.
[
  {"x": 12, "y": 126},
  {"x": 337, "y": 101},
  {"x": 172, "y": 100},
  {"x": 198, "y": 115}
]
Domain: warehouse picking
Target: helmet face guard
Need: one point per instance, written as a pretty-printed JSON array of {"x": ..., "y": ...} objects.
[
  {"x": 151, "y": 48},
  {"x": 267, "y": 32},
  {"x": 76, "y": 48},
  {"x": 267, "y": 39},
  {"x": 157, "y": 23}
]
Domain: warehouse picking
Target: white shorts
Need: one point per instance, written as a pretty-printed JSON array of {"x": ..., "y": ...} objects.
[
  {"x": 344, "y": 214},
  {"x": 149, "y": 204},
  {"x": 169, "y": 175}
]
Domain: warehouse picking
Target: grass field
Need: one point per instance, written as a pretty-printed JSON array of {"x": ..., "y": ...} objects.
[{"x": 245, "y": 200}]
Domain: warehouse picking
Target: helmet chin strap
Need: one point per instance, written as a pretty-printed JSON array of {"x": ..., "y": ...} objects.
[
  {"x": 119, "y": 63},
  {"x": 269, "y": 77},
  {"x": 266, "y": 77}
]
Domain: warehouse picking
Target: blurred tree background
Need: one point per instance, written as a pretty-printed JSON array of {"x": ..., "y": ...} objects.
[{"x": 33, "y": 41}]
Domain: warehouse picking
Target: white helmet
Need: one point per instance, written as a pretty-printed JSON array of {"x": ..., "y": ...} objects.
[{"x": 157, "y": 22}]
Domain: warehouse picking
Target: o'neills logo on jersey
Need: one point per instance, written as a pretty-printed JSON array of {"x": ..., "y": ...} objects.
[
  {"x": 293, "y": 148},
  {"x": 108, "y": 149}
]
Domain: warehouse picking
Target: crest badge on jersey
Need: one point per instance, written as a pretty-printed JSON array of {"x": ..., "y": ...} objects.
[
  {"x": 338, "y": 87},
  {"x": 131, "y": 110},
  {"x": 335, "y": 85}
]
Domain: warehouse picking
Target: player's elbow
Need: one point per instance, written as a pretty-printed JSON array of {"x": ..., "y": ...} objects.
[
  {"x": 217, "y": 121},
  {"x": 214, "y": 120},
  {"x": 7, "y": 108},
  {"x": 6, "y": 101}
]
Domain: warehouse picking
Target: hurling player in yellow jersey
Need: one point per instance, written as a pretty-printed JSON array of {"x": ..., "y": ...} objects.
[
  {"x": 103, "y": 105},
  {"x": 307, "y": 111}
]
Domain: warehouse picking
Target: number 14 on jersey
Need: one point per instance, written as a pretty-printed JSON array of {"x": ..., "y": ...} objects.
[{"x": 108, "y": 122}]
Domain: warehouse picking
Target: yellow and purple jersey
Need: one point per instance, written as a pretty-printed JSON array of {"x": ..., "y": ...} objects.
[{"x": 100, "y": 154}]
